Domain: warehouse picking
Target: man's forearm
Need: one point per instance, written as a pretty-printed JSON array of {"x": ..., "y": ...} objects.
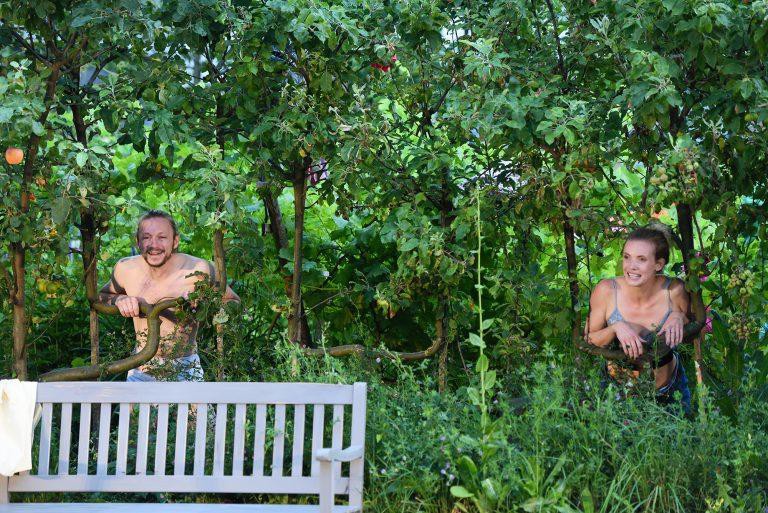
[{"x": 109, "y": 298}]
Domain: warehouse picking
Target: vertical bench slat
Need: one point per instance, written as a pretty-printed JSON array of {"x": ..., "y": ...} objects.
[
  {"x": 161, "y": 441},
  {"x": 83, "y": 440},
  {"x": 298, "y": 441},
  {"x": 65, "y": 435},
  {"x": 142, "y": 445},
  {"x": 44, "y": 456},
  {"x": 200, "y": 432},
  {"x": 103, "y": 455},
  {"x": 180, "y": 458},
  {"x": 357, "y": 437},
  {"x": 279, "y": 441},
  {"x": 338, "y": 435},
  {"x": 258, "y": 439},
  {"x": 318, "y": 423},
  {"x": 220, "y": 439},
  {"x": 122, "y": 439},
  {"x": 239, "y": 444}
]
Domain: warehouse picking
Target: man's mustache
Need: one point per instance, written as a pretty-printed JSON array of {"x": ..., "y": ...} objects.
[{"x": 150, "y": 249}]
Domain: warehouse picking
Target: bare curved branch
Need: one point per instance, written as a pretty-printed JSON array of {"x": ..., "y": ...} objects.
[
  {"x": 361, "y": 350},
  {"x": 135, "y": 360},
  {"x": 653, "y": 349}
]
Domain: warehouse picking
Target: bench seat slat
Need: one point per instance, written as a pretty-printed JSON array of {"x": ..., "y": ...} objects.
[
  {"x": 165, "y": 508},
  {"x": 180, "y": 457},
  {"x": 161, "y": 441},
  {"x": 297, "y": 453},
  {"x": 239, "y": 442},
  {"x": 196, "y": 392},
  {"x": 220, "y": 439},
  {"x": 45, "y": 439},
  {"x": 201, "y": 426},
  {"x": 65, "y": 433},
  {"x": 83, "y": 443},
  {"x": 279, "y": 441},
  {"x": 103, "y": 454},
  {"x": 259, "y": 439},
  {"x": 122, "y": 438},
  {"x": 142, "y": 445},
  {"x": 318, "y": 425},
  {"x": 175, "y": 484}
]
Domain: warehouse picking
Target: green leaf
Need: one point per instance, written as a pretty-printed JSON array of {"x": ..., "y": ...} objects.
[
  {"x": 60, "y": 209},
  {"x": 745, "y": 88},
  {"x": 81, "y": 159},
  {"x": 489, "y": 491},
  {"x": 475, "y": 340},
  {"x": 461, "y": 492},
  {"x": 490, "y": 379},
  {"x": 6, "y": 113},
  {"x": 81, "y": 20},
  {"x": 482, "y": 363},
  {"x": 587, "y": 503},
  {"x": 487, "y": 323},
  {"x": 409, "y": 245},
  {"x": 38, "y": 129}
]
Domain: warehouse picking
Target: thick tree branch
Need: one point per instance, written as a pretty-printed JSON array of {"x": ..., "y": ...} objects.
[
  {"x": 560, "y": 59},
  {"x": 28, "y": 47}
]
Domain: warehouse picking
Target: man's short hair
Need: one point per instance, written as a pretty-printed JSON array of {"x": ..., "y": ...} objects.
[{"x": 152, "y": 214}]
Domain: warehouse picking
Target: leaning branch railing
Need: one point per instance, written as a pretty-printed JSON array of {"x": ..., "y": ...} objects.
[
  {"x": 654, "y": 348},
  {"x": 116, "y": 367}
]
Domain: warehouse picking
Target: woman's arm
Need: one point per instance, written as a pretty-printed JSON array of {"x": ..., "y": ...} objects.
[
  {"x": 596, "y": 331},
  {"x": 600, "y": 334},
  {"x": 673, "y": 328}
]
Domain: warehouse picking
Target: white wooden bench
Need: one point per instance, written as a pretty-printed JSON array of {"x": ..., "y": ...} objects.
[{"x": 300, "y": 429}]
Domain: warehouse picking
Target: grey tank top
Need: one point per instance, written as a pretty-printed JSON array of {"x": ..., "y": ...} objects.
[{"x": 616, "y": 315}]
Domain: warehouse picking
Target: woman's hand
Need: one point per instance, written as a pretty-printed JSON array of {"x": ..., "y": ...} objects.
[
  {"x": 673, "y": 328},
  {"x": 629, "y": 339}
]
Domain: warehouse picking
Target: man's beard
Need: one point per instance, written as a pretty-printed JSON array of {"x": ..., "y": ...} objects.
[{"x": 166, "y": 256}]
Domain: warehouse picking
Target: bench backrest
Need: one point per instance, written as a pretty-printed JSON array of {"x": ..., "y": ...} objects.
[{"x": 194, "y": 437}]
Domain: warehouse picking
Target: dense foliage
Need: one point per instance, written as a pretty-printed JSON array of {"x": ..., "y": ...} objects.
[{"x": 332, "y": 158}]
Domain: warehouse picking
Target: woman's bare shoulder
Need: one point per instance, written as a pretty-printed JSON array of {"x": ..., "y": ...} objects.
[
  {"x": 677, "y": 287},
  {"x": 603, "y": 288}
]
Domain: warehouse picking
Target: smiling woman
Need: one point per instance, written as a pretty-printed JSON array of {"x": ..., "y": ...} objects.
[{"x": 637, "y": 305}]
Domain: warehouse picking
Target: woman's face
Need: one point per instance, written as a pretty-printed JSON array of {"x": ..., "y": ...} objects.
[{"x": 639, "y": 262}]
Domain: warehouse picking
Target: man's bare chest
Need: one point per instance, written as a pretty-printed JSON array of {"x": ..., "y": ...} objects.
[{"x": 153, "y": 290}]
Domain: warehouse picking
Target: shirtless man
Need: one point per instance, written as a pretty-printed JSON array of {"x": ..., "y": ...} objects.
[{"x": 158, "y": 273}]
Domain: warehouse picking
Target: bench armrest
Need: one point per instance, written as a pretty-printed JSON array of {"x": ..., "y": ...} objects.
[{"x": 351, "y": 453}]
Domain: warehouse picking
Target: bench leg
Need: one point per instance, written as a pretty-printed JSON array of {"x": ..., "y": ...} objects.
[
  {"x": 326, "y": 487},
  {"x": 4, "y": 498}
]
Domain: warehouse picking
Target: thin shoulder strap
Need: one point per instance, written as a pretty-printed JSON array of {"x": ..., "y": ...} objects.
[
  {"x": 615, "y": 286},
  {"x": 669, "y": 292}
]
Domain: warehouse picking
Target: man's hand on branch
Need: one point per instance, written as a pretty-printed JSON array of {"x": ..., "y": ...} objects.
[{"x": 128, "y": 306}]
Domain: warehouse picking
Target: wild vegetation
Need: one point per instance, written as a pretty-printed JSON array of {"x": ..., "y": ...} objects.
[{"x": 360, "y": 171}]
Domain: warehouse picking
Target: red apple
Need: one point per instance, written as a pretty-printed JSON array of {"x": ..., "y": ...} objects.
[{"x": 14, "y": 155}]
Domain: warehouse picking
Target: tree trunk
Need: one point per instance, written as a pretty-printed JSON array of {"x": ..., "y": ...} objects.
[
  {"x": 295, "y": 326},
  {"x": 280, "y": 236},
  {"x": 19, "y": 312},
  {"x": 219, "y": 260},
  {"x": 685, "y": 226},
  {"x": 569, "y": 236},
  {"x": 442, "y": 310},
  {"x": 442, "y": 364},
  {"x": 88, "y": 231},
  {"x": 90, "y": 275},
  {"x": 18, "y": 249}
]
